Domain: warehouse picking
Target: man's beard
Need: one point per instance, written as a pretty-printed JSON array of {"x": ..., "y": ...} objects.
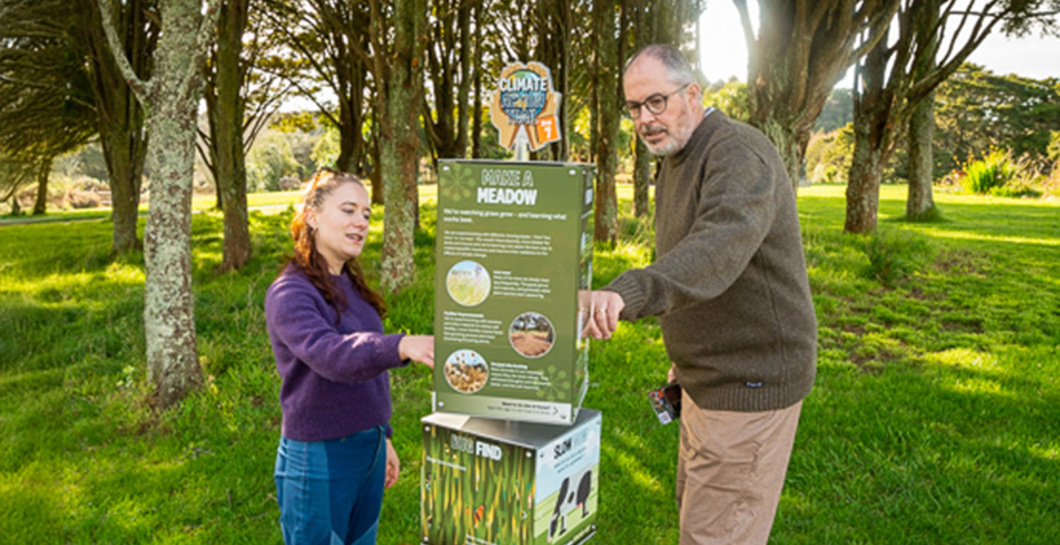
[{"x": 664, "y": 148}]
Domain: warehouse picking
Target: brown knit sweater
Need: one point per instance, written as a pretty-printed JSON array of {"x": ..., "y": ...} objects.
[{"x": 729, "y": 282}]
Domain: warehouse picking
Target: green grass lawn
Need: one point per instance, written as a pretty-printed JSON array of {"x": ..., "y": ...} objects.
[
  {"x": 935, "y": 418},
  {"x": 200, "y": 202}
]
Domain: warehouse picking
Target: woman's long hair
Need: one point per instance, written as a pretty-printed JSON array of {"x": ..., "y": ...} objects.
[{"x": 308, "y": 258}]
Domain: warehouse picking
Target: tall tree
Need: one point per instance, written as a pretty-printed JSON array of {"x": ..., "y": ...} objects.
[
  {"x": 476, "y": 83},
  {"x": 800, "y": 52},
  {"x": 238, "y": 103},
  {"x": 606, "y": 119},
  {"x": 638, "y": 13},
  {"x": 14, "y": 175},
  {"x": 325, "y": 36},
  {"x": 976, "y": 109},
  {"x": 647, "y": 22},
  {"x": 120, "y": 116},
  {"x": 900, "y": 73},
  {"x": 448, "y": 77},
  {"x": 45, "y": 107},
  {"x": 171, "y": 98},
  {"x": 225, "y": 78},
  {"x": 555, "y": 48},
  {"x": 396, "y": 38},
  {"x": 920, "y": 203}
]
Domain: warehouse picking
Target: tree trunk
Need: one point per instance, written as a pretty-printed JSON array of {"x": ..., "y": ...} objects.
[
  {"x": 920, "y": 203},
  {"x": 228, "y": 140},
  {"x": 642, "y": 158},
  {"x": 169, "y": 313},
  {"x": 351, "y": 125},
  {"x": 872, "y": 133},
  {"x": 40, "y": 206},
  {"x": 448, "y": 66},
  {"x": 553, "y": 21},
  {"x": 790, "y": 139},
  {"x": 564, "y": 86},
  {"x": 399, "y": 146},
  {"x": 863, "y": 187},
  {"x": 641, "y": 179},
  {"x": 663, "y": 27},
  {"x": 121, "y": 116},
  {"x": 874, "y": 115},
  {"x": 334, "y": 51},
  {"x": 606, "y": 121},
  {"x": 801, "y": 51},
  {"x": 218, "y": 195},
  {"x": 463, "y": 114},
  {"x": 376, "y": 178},
  {"x": 476, "y": 107},
  {"x": 125, "y": 152}
]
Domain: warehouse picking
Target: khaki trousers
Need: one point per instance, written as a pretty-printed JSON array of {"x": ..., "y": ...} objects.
[{"x": 730, "y": 471}]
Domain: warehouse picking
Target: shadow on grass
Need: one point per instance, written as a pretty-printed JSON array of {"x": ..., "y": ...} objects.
[{"x": 928, "y": 453}]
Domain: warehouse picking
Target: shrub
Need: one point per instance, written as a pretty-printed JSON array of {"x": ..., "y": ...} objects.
[
  {"x": 83, "y": 199},
  {"x": 1051, "y": 185},
  {"x": 269, "y": 160},
  {"x": 994, "y": 170},
  {"x": 895, "y": 256},
  {"x": 290, "y": 183},
  {"x": 1052, "y": 151},
  {"x": 1020, "y": 187},
  {"x": 828, "y": 156}
]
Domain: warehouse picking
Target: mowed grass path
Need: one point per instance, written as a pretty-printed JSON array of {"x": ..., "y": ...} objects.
[{"x": 935, "y": 417}]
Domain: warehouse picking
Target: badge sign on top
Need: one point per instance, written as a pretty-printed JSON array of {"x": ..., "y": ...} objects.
[{"x": 525, "y": 106}]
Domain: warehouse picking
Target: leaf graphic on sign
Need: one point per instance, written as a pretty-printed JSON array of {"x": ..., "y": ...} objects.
[
  {"x": 460, "y": 184},
  {"x": 559, "y": 385}
]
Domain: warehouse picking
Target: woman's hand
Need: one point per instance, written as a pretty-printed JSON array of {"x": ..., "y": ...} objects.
[
  {"x": 417, "y": 348},
  {"x": 393, "y": 465}
]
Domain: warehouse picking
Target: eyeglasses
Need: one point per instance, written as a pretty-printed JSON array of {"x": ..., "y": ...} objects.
[{"x": 656, "y": 104}]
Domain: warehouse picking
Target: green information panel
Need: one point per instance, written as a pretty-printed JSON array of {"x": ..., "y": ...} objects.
[
  {"x": 513, "y": 253},
  {"x": 494, "y": 482}
]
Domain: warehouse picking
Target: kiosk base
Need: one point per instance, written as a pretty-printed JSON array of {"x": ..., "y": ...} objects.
[{"x": 496, "y": 482}]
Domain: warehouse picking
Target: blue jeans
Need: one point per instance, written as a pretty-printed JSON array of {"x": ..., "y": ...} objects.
[{"x": 331, "y": 492}]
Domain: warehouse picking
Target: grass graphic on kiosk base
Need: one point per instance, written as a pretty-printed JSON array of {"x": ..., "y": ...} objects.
[{"x": 486, "y": 498}]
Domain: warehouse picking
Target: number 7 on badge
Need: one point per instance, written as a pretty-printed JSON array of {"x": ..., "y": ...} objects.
[{"x": 546, "y": 129}]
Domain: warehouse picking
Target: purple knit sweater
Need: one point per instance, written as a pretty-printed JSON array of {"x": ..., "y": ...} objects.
[{"x": 335, "y": 380}]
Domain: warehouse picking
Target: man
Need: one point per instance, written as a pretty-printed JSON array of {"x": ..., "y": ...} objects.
[{"x": 729, "y": 286}]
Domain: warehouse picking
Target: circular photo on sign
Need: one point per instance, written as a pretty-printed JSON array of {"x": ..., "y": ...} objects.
[
  {"x": 468, "y": 283},
  {"x": 466, "y": 371},
  {"x": 531, "y": 334}
]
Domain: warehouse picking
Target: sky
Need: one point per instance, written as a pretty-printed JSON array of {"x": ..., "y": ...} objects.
[{"x": 725, "y": 52}]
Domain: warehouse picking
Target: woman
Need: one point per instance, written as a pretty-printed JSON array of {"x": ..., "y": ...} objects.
[{"x": 325, "y": 324}]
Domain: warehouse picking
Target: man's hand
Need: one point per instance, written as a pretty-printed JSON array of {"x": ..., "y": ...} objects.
[{"x": 603, "y": 308}]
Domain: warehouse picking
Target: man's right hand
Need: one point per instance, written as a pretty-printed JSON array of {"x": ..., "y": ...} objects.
[{"x": 604, "y": 307}]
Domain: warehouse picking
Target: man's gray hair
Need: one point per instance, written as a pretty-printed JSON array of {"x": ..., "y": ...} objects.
[{"x": 678, "y": 69}]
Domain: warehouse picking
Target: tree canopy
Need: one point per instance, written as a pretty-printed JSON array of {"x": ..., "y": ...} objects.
[{"x": 45, "y": 99}]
